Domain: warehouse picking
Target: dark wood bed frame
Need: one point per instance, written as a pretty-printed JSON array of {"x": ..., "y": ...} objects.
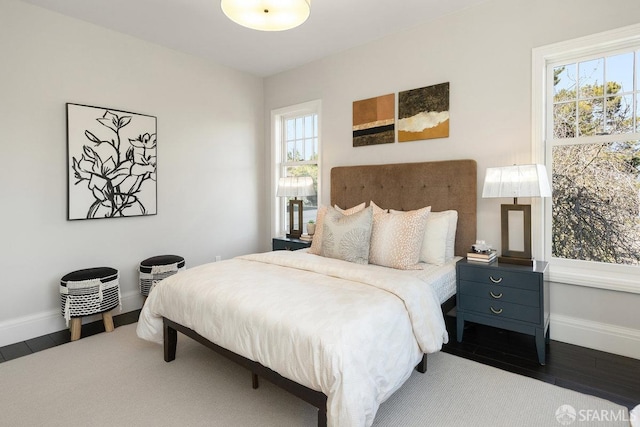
[
  {"x": 315, "y": 398},
  {"x": 405, "y": 186}
]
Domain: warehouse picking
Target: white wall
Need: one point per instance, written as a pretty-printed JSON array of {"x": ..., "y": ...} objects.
[
  {"x": 210, "y": 159},
  {"x": 213, "y": 151},
  {"x": 485, "y": 54}
]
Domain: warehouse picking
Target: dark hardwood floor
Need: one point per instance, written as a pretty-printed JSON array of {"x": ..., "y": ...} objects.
[
  {"x": 609, "y": 376},
  {"x": 33, "y": 345}
]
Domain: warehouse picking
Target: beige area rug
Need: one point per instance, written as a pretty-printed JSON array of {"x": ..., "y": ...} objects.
[{"x": 117, "y": 379}]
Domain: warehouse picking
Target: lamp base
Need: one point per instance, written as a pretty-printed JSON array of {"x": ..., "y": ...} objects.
[
  {"x": 295, "y": 228},
  {"x": 515, "y": 260}
]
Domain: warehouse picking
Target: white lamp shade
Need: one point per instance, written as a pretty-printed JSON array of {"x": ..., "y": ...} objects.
[
  {"x": 295, "y": 186},
  {"x": 516, "y": 181},
  {"x": 267, "y": 15}
]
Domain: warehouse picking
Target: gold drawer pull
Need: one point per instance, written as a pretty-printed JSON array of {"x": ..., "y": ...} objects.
[
  {"x": 494, "y": 311},
  {"x": 496, "y": 296},
  {"x": 495, "y": 280}
]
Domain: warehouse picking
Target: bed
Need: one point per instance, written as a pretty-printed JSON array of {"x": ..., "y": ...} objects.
[{"x": 340, "y": 335}]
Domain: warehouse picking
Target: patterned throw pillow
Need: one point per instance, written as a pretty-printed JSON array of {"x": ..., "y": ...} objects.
[
  {"x": 347, "y": 237},
  {"x": 396, "y": 238},
  {"x": 352, "y": 210},
  {"x": 438, "y": 245},
  {"x": 377, "y": 209},
  {"x": 316, "y": 243}
]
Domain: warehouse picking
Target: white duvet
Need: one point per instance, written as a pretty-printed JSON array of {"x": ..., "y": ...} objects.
[{"x": 354, "y": 332}]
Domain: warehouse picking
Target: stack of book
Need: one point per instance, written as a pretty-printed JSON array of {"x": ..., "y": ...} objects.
[
  {"x": 307, "y": 238},
  {"x": 484, "y": 256}
]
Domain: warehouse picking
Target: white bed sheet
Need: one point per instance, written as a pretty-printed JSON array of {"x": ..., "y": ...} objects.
[
  {"x": 353, "y": 332},
  {"x": 442, "y": 278}
]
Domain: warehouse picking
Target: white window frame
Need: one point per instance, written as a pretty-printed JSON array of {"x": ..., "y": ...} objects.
[
  {"x": 278, "y": 155},
  {"x": 582, "y": 273}
]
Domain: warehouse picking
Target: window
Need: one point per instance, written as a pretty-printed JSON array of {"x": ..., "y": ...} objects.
[
  {"x": 588, "y": 116},
  {"x": 296, "y": 152}
]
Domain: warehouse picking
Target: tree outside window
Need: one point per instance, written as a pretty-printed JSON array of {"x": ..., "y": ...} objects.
[
  {"x": 595, "y": 151},
  {"x": 300, "y": 146}
]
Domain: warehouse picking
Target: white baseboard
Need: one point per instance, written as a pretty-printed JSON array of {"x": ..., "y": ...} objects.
[
  {"x": 27, "y": 327},
  {"x": 585, "y": 333},
  {"x": 599, "y": 336}
]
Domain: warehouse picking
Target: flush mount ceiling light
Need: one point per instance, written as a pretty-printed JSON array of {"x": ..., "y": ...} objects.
[{"x": 267, "y": 15}]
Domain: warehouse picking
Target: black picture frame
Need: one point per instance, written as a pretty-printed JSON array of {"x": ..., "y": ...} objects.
[{"x": 111, "y": 163}]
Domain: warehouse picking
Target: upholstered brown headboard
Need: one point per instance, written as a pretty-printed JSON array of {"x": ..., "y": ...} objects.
[{"x": 406, "y": 186}]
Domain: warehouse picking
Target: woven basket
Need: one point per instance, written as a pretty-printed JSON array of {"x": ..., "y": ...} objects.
[
  {"x": 154, "y": 269},
  {"x": 89, "y": 291}
]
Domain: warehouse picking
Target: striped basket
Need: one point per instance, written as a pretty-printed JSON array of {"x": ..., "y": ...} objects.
[
  {"x": 89, "y": 291},
  {"x": 156, "y": 268}
]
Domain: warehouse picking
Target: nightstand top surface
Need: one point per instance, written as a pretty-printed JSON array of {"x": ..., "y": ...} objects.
[
  {"x": 289, "y": 239},
  {"x": 538, "y": 267}
]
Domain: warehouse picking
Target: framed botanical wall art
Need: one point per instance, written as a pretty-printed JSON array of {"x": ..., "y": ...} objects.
[
  {"x": 374, "y": 121},
  {"x": 111, "y": 163},
  {"x": 423, "y": 113}
]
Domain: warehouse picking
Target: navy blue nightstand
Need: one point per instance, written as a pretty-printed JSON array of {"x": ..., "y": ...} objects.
[
  {"x": 507, "y": 296},
  {"x": 287, "y": 244}
]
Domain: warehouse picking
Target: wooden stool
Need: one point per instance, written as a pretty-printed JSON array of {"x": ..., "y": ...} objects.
[
  {"x": 87, "y": 292},
  {"x": 156, "y": 268}
]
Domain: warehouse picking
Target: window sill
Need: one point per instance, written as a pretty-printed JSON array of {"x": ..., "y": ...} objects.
[{"x": 620, "y": 278}]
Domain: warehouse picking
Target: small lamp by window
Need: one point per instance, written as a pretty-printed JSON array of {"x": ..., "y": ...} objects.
[
  {"x": 516, "y": 181},
  {"x": 295, "y": 186}
]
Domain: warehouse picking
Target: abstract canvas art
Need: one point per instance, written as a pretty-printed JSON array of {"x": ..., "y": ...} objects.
[
  {"x": 374, "y": 121},
  {"x": 111, "y": 163},
  {"x": 423, "y": 113}
]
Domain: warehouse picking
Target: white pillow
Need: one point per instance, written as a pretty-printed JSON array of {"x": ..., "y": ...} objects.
[
  {"x": 452, "y": 216},
  {"x": 438, "y": 245},
  {"x": 347, "y": 237},
  {"x": 434, "y": 242},
  {"x": 396, "y": 238}
]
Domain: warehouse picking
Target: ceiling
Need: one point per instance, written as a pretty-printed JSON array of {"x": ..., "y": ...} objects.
[{"x": 199, "y": 27}]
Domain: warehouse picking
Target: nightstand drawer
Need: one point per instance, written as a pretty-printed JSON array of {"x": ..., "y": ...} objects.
[
  {"x": 500, "y": 309},
  {"x": 508, "y": 296},
  {"x": 501, "y": 277},
  {"x": 500, "y": 293}
]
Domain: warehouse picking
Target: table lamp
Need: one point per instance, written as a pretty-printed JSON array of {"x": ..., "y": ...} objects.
[
  {"x": 294, "y": 187},
  {"x": 516, "y": 181}
]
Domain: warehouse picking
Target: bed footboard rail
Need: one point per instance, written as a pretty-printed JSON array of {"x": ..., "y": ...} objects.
[{"x": 315, "y": 398}]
